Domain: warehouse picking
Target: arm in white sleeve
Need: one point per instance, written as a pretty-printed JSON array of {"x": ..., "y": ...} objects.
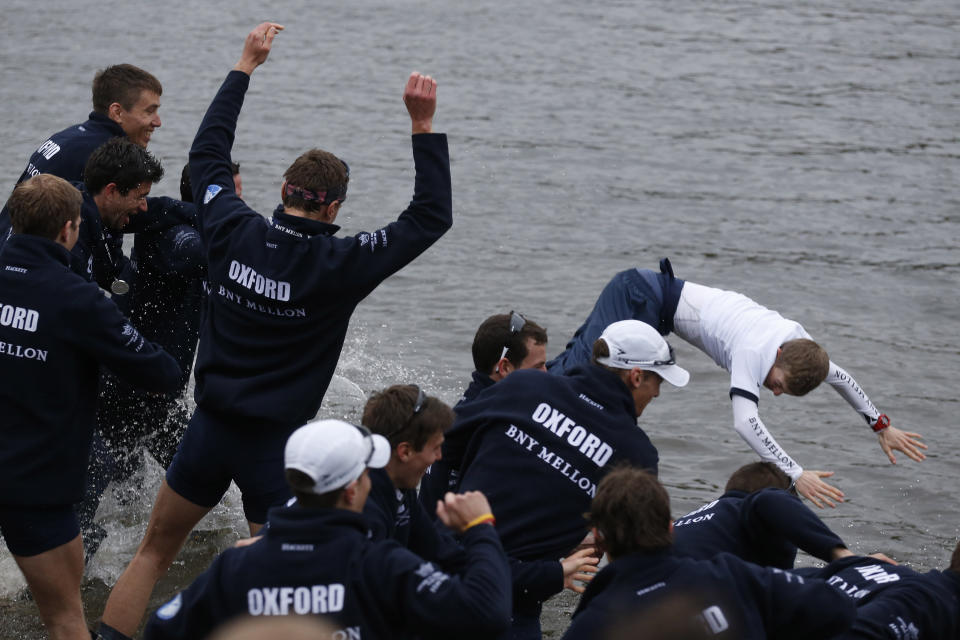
[
  {"x": 746, "y": 420},
  {"x": 844, "y": 384}
]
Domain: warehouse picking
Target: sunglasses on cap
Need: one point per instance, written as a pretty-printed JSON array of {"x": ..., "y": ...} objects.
[
  {"x": 517, "y": 322},
  {"x": 651, "y": 363}
]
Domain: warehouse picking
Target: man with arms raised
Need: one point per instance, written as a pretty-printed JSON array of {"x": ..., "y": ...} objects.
[
  {"x": 759, "y": 347},
  {"x": 55, "y": 331},
  {"x": 280, "y": 294}
]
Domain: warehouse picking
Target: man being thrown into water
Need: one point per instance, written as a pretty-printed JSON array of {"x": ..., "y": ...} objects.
[{"x": 758, "y": 346}]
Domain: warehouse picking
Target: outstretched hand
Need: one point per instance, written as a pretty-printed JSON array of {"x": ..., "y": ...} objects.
[
  {"x": 420, "y": 96},
  {"x": 257, "y": 46},
  {"x": 579, "y": 566},
  {"x": 810, "y": 486},
  {"x": 908, "y": 443}
]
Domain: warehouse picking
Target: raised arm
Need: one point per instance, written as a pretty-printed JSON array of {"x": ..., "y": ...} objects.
[
  {"x": 809, "y": 483},
  {"x": 891, "y": 438}
]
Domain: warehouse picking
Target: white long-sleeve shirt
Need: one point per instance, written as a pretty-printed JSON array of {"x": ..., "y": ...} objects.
[{"x": 743, "y": 337}]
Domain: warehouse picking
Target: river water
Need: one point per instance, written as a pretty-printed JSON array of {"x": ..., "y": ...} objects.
[{"x": 804, "y": 153}]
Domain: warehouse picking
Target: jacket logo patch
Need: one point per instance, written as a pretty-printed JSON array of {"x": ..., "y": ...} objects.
[
  {"x": 211, "y": 193},
  {"x": 170, "y": 609}
]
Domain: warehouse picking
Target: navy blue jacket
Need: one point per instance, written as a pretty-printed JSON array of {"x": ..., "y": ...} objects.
[
  {"x": 894, "y": 601},
  {"x": 281, "y": 290},
  {"x": 764, "y": 527},
  {"x": 66, "y": 152},
  {"x": 740, "y": 601},
  {"x": 537, "y": 445},
  {"x": 395, "y": 514},
  {"x": 440, "y": 477},
  {"x": 320, "y": 561},
  {"x": 55, "y": 330},
  {"x": 166, "y": 296}
]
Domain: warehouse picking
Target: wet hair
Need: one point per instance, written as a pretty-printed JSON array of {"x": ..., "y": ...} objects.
[
  {"x": 390, "y": 413},
  {"x": 123, "y": 84},
  {"x": 805, "y": 365},
  {"x": 631, "y": 511},
  {"x": 758, "y": 475},
  {"x": 955, "y": 559},
  {"x": 41, "y": 206},
  {"x": 494, "y": 334},
  {"x": 302, "y": 486},
  {"x": 185, "y": 187},
  {"x": 317, "y": 171},
  {"x": 123, "y": 163}
]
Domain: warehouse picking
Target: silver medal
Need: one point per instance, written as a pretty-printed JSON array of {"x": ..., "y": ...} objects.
[{"x": 119, "y": 287}]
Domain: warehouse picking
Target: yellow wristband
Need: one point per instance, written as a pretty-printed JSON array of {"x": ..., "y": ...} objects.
[{"x": 487, "y": 517}]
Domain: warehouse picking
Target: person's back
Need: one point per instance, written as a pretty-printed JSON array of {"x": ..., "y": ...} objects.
[
  {"x": 758, "y": 520},
  {"x": 740, "y": 601},
  {"x": 316, "y": 558}
]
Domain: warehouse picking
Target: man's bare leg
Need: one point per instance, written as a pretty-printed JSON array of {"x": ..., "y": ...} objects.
[
  {"x": 54, "y": 579},
  {"x": 172, "y": 520}
]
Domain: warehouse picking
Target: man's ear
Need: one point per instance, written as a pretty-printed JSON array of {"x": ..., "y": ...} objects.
[
  {"x": 332, "y": 210},
  {"x": 115, "y": 112},
  {"x": 283, "y": 190},
  {"x": 350, "y": 493},
  {"x": 404, "y": 451},
  {"x": 598, "y": 540}
]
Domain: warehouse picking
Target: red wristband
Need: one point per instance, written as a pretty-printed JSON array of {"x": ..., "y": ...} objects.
[{"x": 882, "y": 423}]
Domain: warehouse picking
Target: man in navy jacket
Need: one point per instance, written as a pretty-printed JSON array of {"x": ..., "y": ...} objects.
[
  {"x": 126, "y": 103},
  {"x": 537, "y": 445},
  {"x": 55, "y": 331},
  {"x": 759, "y": 520},
  {"x": 316, "y": 558},
  {"x": 738, "y": 600},
  {"x": 896, "y": 602},
  {"x": 504, "y": 343},
  {"x": 280, "y": 295}
]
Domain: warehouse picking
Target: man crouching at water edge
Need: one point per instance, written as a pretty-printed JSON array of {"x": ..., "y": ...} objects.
[
  {"x": 316, "y": 558},
  {"x": 631, "y": 522},
  {"x": 280, "y": 293},
  {"x": 56, "y": 329},
  {"x": 540, "y": 444}
]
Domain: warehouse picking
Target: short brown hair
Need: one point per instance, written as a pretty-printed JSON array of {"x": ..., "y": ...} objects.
[
  {"x": 390, "y": 413},
  {"x": 302, "y": 486},
  {"x": 316, "y": 170},
  {"x": 494, "y": 334},
  {"x": 41, "y": 206},
  {"x": 632, "y": 512},
  {"x": 805, "y": 365},
  {"x": 123, "y": 84},
  {"x": 758, "y": 475}
]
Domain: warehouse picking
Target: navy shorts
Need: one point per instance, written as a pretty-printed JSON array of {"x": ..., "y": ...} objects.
[
  {"x": 30, "y": 531},
  {"x": 214, "y": 451}
]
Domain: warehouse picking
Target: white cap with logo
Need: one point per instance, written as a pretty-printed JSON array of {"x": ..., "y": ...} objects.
[
  {"x": 636, "y": 344},
  {"x": 334, "y": 453}
]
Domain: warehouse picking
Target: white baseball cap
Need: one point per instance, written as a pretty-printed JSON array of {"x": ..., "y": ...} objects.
[
  {"x": 636, "y": 344},
  {"x": 334, "y": 453}
]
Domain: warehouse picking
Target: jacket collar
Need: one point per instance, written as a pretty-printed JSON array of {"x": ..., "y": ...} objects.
[
  {"x": 27, "y": 249},
  {"x": 604, "y": 386},
  {"x": 304, "y": 523},
  {"x": 106, "y": 123},
  {"x": 301, "y": 227}
]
